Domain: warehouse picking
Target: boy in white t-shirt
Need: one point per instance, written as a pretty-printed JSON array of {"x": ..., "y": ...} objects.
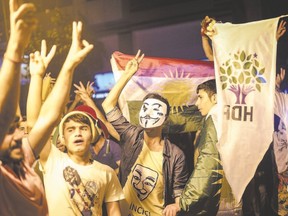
[{"x": 75, "y": 183}]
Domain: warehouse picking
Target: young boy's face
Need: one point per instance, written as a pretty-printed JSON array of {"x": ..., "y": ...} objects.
[
  {"x": 77, "y": 137},
  {"x": 204, "y": 102}
]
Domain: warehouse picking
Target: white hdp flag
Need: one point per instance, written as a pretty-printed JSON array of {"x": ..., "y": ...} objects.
[{"x": 245, "y": 64}]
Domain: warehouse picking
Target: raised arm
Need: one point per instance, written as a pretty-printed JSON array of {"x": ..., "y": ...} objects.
[
  {"x": 48, "y": 83},
  {"x": 38, "y": 65},
  {"x": 55, "y": 103},
  {"x": 206, "y": 32},
  {"x": 22, "y": 23},
  {"x": 84, "y": 94},
  {"x": 207, "y": 48},
  {"x": 132, "y": 66}
]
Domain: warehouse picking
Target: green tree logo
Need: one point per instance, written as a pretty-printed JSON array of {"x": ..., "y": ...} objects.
[{"x": 241, "y": 75}]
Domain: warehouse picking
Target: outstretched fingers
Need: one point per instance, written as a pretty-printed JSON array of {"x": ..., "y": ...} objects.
[
  {"x": 77, "y": 31},
  {"x": 89, "y": 88},
  {"x": 139, "y": 57},
  {"x": 25, "y": 12},
  {"x": 43, "y": 48},
  {"x": 78, "y": 87},
  {"x": 14, "y": 5},
  {"x": 82, "y": 86},
  {"x": 281, "y": 29},
  {"x": 79, "y": 48},
  {"x": 22, "y": 22},
  {"x": 50, "y": 55},
  {"x": 47, "y": 58}
]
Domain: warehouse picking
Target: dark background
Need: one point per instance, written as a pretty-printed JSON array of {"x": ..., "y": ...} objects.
[{"x": 164, "y": 28}]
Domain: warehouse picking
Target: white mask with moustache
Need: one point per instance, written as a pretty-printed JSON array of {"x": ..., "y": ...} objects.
[{"x": 152, "y": 113}]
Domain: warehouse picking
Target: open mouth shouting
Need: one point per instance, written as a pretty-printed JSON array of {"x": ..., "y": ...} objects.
[{"x": 78, "y": 142}]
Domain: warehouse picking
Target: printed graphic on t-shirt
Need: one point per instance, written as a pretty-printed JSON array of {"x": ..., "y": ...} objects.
[
  {"x": 83, "y": 196},
  {"x": 143, "y": 181},
  {"x": 139, "y": 210}
]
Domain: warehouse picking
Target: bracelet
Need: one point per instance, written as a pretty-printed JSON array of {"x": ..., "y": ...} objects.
[{"x": 16, "y": 61}]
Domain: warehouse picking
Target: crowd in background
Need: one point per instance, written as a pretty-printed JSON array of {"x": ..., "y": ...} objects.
[{"x": 69, "y": 158}]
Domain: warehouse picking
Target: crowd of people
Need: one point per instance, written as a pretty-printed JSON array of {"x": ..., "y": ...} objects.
[{"x": 75, "y": 160}]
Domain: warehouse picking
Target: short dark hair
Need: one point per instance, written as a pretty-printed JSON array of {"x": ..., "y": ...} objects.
[
  {"x": 78, "y": 118},
  {"x": 158, "y": 97},
  {"x": 208, "y": 86}
]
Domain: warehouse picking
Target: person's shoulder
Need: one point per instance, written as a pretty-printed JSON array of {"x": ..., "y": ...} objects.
[
  {"x": 210, "y": 125},
  {"x": 57, "y": 151},
  {"x": 210, "y": 120},
  {"x": 113, "y": 144},
  {"x": 101, "y": 167},
  {"x": 114, "y": 114},
  {"x": 173, "y": 147}
]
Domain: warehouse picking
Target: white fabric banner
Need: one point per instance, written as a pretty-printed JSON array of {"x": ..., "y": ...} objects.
[{"x": 245, "y": 64}]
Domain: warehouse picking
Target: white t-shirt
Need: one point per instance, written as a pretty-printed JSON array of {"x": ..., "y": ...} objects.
[{"x": 73, "y": 189}]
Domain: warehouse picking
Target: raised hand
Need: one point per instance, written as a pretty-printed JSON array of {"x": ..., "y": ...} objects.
[
  {"x": 79, "y": 48},
  {"x": 51, "y": 79},
  {"x": 280, "y": 77},
  {"x": 39, "y": 61},
  {"x": 22, "y": 24},
  {"x": 82, "y": 92},
  {"x": 281, "y": 29},
  {"x": 133, "y": 65},
  {"x": 207, "y": 26},
  {"x": 112, "y": 98}
]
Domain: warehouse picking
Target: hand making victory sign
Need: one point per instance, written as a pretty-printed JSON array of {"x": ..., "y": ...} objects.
[{"x": 133, "y": 65}]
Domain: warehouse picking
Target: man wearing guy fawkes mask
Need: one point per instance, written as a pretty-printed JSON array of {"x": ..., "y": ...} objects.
[
  {"x": 153, "y": 113},
  {"x": 152, "y": 170}
]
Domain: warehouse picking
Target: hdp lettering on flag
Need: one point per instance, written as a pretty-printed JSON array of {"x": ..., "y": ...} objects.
[
  {"x": 245, "y": 64},
  {"x": 174, "y": 79}
]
